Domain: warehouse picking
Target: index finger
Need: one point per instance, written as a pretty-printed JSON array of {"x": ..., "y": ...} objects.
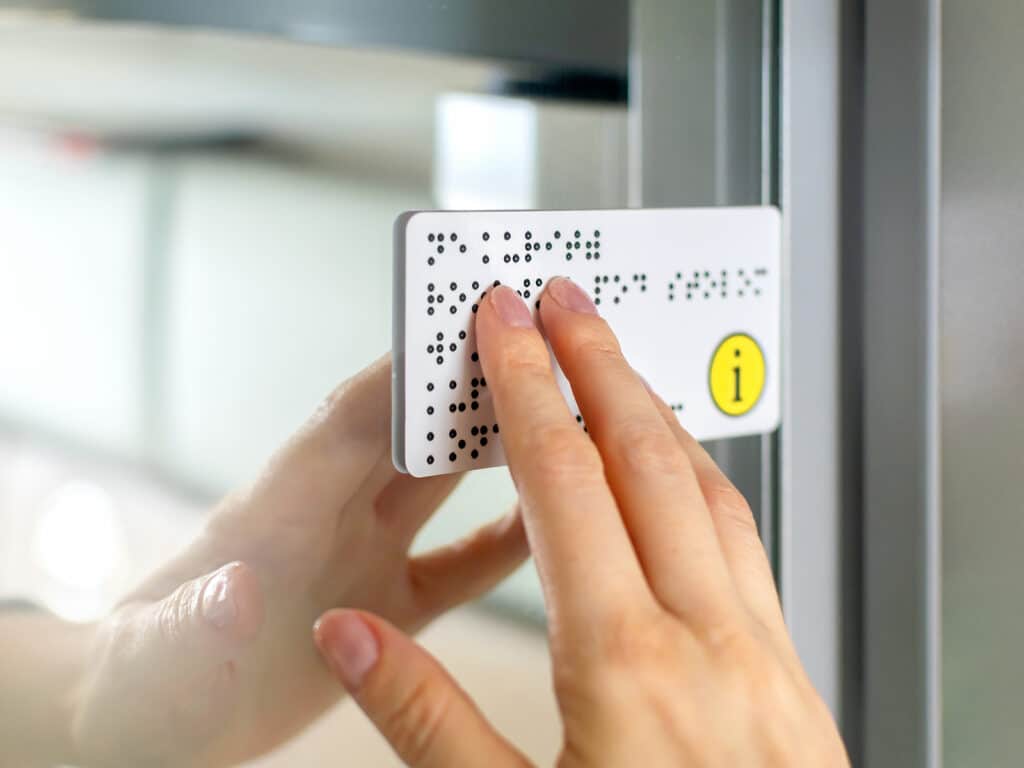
[{"x": 587, "y": 563}]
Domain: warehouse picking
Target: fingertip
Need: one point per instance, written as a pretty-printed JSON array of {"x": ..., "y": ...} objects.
[{"x": 349, "y": 645}]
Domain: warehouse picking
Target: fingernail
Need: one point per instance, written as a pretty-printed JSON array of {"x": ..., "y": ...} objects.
[
  {"x": 510, "y": 308},
  {"x": 218, "y": 604},
  {"x": 350, "y": 646},
  {"x": 570, "y": 296}
]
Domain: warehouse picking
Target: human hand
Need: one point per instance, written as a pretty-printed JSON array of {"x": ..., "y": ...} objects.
[
  {"x": 667, "y": 638},
  {"x": 210, "y": 660}
]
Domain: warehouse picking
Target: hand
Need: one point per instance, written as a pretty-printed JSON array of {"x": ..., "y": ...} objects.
[
  {"x": 210, "y": 660},
  {"x": 667, "y": 638}
]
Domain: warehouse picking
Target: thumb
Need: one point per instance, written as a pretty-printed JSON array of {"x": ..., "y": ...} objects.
[
  {"x": 415, "y": 704},
  {"x": 203, "y": 623}
]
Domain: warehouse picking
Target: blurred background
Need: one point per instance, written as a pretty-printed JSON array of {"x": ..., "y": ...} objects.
[
  {"x": 195, "y": 248},
  {"x": 196, "y": 202}
]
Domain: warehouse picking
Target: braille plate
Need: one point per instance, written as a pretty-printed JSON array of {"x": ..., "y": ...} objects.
[{"x": 673, "y": 284}]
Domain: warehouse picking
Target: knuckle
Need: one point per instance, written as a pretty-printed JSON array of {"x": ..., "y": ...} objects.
[
  {"x": 600, "y": 349},
  {"x": 649, "y": 447},
  {"x": 561, "y": 451},
  {"x": 413, "y": 725},
  {"x": 731, "y": 507}
]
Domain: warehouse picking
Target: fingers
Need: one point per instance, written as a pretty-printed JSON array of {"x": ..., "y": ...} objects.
[
  {"x": 734, "y": 526},
  {"x": 465, "y": 570},
  {"x": 427, "y": 718},
  {"x": 652, "y": 478},
  {"x": 586, "y": 561},
  {"x": 405, "y": 503},
  {"x": 329, "y": 458},
  {"x": 202, "y": 624}
]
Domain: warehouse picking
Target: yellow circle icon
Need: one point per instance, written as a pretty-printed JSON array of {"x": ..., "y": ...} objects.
[{"x": 736, "y": 376}]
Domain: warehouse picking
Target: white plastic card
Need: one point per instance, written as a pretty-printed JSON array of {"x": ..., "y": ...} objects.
[{"x": 692, "y": 294}]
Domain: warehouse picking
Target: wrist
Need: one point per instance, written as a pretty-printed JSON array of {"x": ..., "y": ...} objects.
[{"x": 43, "y": 662}]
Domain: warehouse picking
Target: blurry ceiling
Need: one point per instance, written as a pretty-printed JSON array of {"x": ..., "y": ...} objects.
[{"x": 369, "y": 107}]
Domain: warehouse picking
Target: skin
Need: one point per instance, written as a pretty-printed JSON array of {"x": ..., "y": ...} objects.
[
  {"x": 209, "y": 661},
  {"x": 668, "y": 642}
]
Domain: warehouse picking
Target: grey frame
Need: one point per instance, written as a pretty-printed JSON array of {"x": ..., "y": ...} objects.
[{"x": 902, "y": 705}]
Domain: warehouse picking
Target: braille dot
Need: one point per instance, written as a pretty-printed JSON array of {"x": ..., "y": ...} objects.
[
  {"x": 486, "y": 259},
  {"x": 451, "y": 457},
  {"x": 440, "y": 249},
  {"x": 487, "y": 236},
  {"x": 483, "y": 382},
  {"x": 576, "y": 245},
  {"x": 474, "y": 453},
  {"x": 462, "y": 407},
  {"x": 462, "y": 297},
  {"x": 430, "y": 435},
  {"x": 452, "y": 408},
  {"x": 529, "y": 234},
  {"x": 616, "y": 278},
  {"x": 757, "y": 291},
  {"x": 643, "y": 288},
  {"x": 508, "y": 235},
  {"x": 462, "y": 444},
  {"x": 453, "y": 309},
  {"x": 440, "y": 360},
  {"x": 452, "y": 347},
  {"x": 616, "y": 299},
  {"x": 597, "y": 302},
  {"x": 527, "y": 258},
  {"x": 515, "y": 258},
  {"x": 483, "y": 430},
  {"x": 430, "y": 299},
  {"x": 537, "y": 305},
  {"x": 462, "y": 334},
  {"x": 707, "y": 295},
  {"x": 452, "y": 433},
  {"x": 430, "y": 349},
  {"x": 453, "y": 286},
  {"x": 579, "y": 419},
  {"x": 475, "y": 394},
  {"x": 707, "y": 274},
  {"x": 495, "y": 428},
  {"x": 454, "y": 237},
  {"x": 440, "y": 237},
  {"x": 507, "y": 258},
  {"x": 475, "y": 308},
  {"x": 671, "y": 297},
  {"x": 557, "y": 234},
  {"x": 568, "y": 257},
  {"x": 430, "y": 237},
  {"x": 452, "y": 384},
  {"x": 597, "y": 233},
  {"x": 589, "y": 244},
  {"x": 589, "y": 255},
  {"x": 430, "y": 459},
  {"x": 462, "y": 249},
  {"x": 475, "y": 431},
  {"x": 689, "y": 296},
  {"x": 604, "y": 279},
  {"x": 538, "y": 282},
  {"x": 597, "y": 256},
  {"x": 526, "y": 294},
  {"x": 625, "y": 288},
  {"x": 496, "y": 283},
  {"x": 430, "y": 410},
  {"x": 430, "y": 310},
  {"x": 430, "y": 387},
  {"x": 483, "y": 441},
  {"x": 475, "y": 382},
  {"x": 430, "y": 287},
  {"x": 597, "y": 289},
  {"x": 474, "y": 357},
  {"x": 577, "y": 234},
  {"x": 476, "y": 405},
  {"x": 430, "y": 261}
]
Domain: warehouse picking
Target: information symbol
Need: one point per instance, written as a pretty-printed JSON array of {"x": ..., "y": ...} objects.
[{"x": 736, "y": 374}]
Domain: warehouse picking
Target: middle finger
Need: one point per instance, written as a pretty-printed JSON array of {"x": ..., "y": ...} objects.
[{"x": 651, "y": 476}]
